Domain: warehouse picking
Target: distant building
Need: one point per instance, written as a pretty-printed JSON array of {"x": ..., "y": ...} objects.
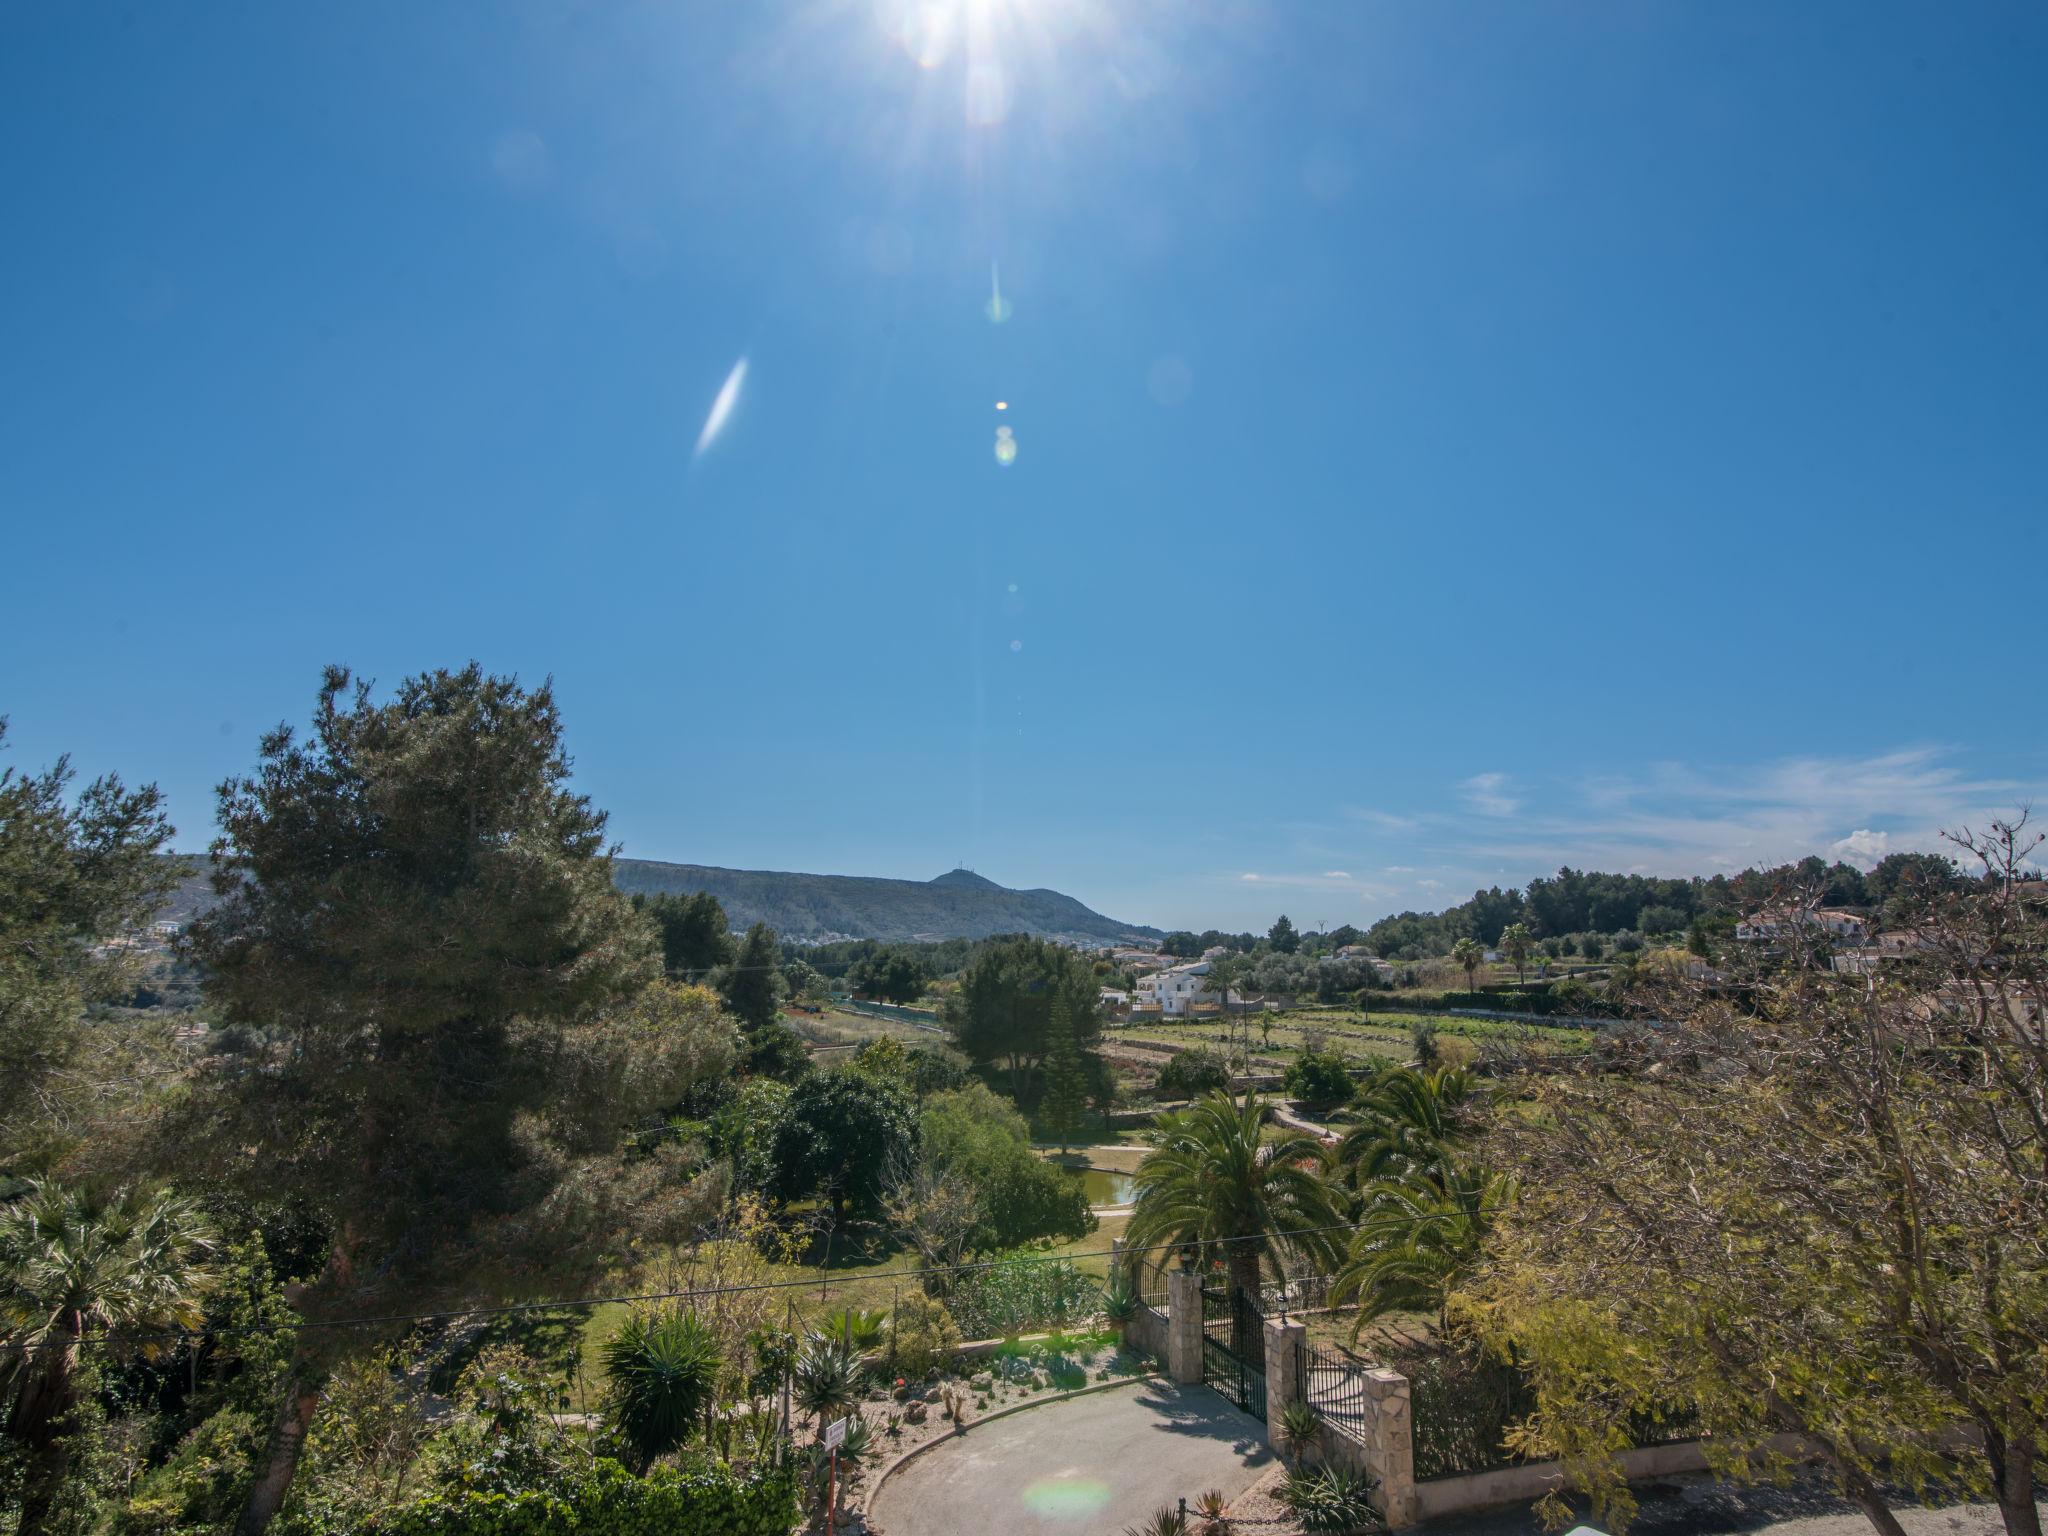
[
  {"x": 1179, "y": 990},
  {"x": 1769, "y": 924}
]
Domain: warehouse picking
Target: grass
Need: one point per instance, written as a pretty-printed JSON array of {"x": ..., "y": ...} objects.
[
  {"x": 1360, "y": 1036},
  {"x": 836, "y": 1027}
]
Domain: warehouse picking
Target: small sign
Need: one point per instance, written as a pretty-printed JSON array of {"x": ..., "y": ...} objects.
[{"x": 835, "y": 1434}]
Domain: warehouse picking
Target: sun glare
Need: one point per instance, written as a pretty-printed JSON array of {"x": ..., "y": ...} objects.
[{"x": 722, "y": 407}]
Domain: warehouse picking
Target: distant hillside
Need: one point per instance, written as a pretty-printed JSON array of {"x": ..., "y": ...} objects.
[{"x": 957, "y": 905}]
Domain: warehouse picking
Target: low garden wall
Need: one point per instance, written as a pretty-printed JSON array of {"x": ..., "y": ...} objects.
[{"x": 1146, "y": 1330}]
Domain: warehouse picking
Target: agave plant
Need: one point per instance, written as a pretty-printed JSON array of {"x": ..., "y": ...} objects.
[
  {"x": 853, "y": 1325},
  {"x": 1213, "y": 1507},
  {"x": 1331, "y": 1499},
  {"x": 827, "y": 1379},
  {"x": 663, "y": 1373},
  {"x": 1119, "y": 1299},
  {"x": 1299, "y": 1426},
  {"x": 1164, "y": 1522}
]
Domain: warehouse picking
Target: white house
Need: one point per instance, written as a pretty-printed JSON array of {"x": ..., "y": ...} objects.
[
  {"x": 1782, "y": 922},
  {"x": 1177, "y": 989}
]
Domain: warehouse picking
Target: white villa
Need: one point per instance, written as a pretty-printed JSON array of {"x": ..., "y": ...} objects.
[{"x": 1176, "y": 990}]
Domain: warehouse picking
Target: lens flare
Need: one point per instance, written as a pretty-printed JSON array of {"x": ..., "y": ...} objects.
[
  {"x": 1006, "y": 449},
  {"x": 997, "y": 308},
  {"x": 722, "y": 407},
  {"x": 1066, "y": 1498}
]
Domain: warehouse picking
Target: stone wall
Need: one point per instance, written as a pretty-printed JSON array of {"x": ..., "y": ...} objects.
[{"x": 1147, "y": 1331}]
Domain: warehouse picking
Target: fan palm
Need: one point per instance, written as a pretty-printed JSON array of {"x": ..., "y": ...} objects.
[
  {"x": 664, "y": 1374},
  {"x": 1420, "y": 1231},
  {"x": 1211, "y": 1184},
  {"x": 75, "y": 1265},
  {"x": 827, "y": 1378},
  {"x": 1470, "y": 954},
  {"x": 1405, "y": 1117}
]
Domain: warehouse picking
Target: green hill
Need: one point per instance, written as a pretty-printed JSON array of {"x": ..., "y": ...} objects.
[{"x": 957, "y": 905}]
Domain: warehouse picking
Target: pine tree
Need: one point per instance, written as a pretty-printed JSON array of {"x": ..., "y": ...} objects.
[
  {"x": 753, "y": 982},
  {"x": 1066, "y": 1079}
]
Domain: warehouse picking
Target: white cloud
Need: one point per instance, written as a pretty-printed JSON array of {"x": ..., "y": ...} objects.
[
  {"x": 1679, "y": 820},
  {"x": 1336, "y": 874},
  {"x": 1400, "y": 869},
  {"x": 1863, "y": 847},
  {"x": 1248, "y": 876},
  {"x": 1487, "y": 794}
]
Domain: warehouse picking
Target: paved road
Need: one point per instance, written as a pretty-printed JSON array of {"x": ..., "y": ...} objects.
[
  {"x": 1697, "y": 1505},
  {"x": 1083, "y": 1467}
]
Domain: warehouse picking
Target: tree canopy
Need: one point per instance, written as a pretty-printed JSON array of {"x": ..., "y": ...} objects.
[
  {"x": 1001, "y": 1015},
  {"x": 421, "y": 914},
  {"x": 74, "y": 871}
]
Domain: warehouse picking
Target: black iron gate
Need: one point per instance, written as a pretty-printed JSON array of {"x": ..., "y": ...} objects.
[{"x": 1234, "y": 1347}]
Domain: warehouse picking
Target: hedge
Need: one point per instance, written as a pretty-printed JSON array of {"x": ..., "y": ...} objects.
[{"x": 709, "y": 1500}]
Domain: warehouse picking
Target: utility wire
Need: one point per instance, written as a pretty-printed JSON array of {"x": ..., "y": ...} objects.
[{"x": 577, "y": 1303}]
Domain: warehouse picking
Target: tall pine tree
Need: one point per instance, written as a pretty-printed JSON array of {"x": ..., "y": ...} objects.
[{"x": 1066, "y": 1077}]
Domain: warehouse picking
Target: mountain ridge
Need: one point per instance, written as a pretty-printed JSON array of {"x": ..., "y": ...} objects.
[{"x": 958, "y": 904}]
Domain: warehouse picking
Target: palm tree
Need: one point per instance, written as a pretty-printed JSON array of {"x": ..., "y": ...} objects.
[
  {"x": 1421, "y": 1230},
  {"x": 1471, "y": 954},
  {"x": 664, "y": 1372},
  {"x": 1405, "y": 1117},
  {"x": 1211, "y": 1184},
  {"x": 1518, "y": 944},
  {"x": 827, "y": 1377},
  {"x": 75, "y": 1265}
]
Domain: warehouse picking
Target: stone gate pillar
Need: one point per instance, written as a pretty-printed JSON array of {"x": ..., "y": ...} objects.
[
  {"x": 1184, "y": 1325},
  {"x": 1285, "y": 1343},
  {"x": 1390, "y": 1445}
]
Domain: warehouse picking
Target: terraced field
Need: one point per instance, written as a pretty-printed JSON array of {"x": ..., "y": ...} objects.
[{"x": 1386, "y": 1036}]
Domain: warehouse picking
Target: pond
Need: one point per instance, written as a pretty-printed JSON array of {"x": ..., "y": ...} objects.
[{"x": 1105, "y": 1187}]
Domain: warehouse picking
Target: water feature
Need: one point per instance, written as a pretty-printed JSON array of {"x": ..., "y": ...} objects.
[{"x": 1103, "y": 1186}]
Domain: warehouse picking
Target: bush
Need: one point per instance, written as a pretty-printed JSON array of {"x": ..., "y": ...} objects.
[
  {"x": 705, "y": 1500},
  {"x": 1019, "y": 1293},
  {"x": 1331, "y": 1499},
  {"x": 1319, "y": 1078},
  {"x": 1192, "y": 1073},
  {"x": 924, "y": 1334},
  {"x": 980, "y": 1137}
]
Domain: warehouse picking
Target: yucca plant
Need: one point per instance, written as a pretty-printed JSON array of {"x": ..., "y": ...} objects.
[
  {"x": 663, "y": 1370},
  {"x": 1212, "y": 1507}
]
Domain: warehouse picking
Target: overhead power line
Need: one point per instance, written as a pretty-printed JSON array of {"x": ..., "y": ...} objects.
[{"x": 580, "y": 1303}]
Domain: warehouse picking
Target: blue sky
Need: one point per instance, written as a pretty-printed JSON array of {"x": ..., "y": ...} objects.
[{"x": 1450, "y": 440}]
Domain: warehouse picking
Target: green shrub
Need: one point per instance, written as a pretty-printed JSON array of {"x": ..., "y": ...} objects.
[
  {"x": 1192, "y": 1073},
  {"x": 707, "y": 1500},
  {"x": 1331, "y": 1499},
  {"x": 980, "y": 1137},
  {"x": 1019, "y": 1293},
  {"x": 865, "y": 1329},
  {"x": 1319, "y": 1078},
  {"x": 924, "y": 1334}
]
